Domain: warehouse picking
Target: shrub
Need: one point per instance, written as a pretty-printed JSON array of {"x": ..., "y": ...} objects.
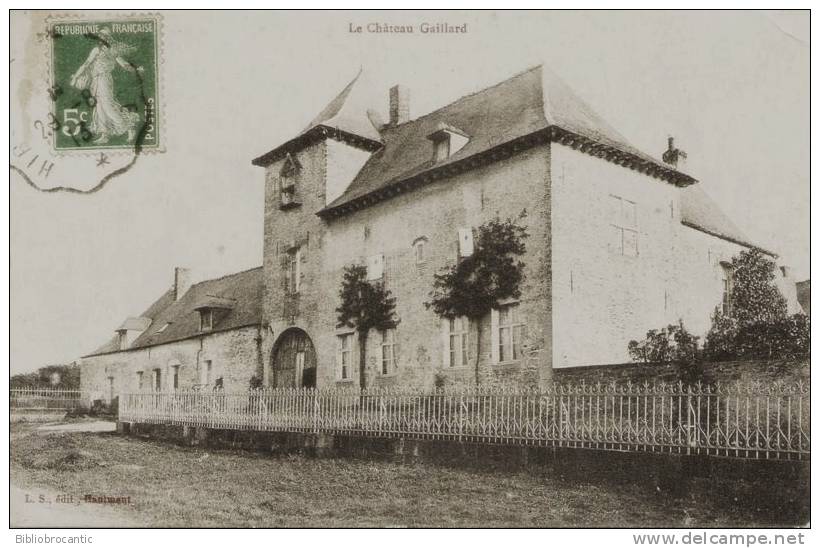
[
  {"x": 720, "y": 340},
  {"x": 783, "y": 338},
  {"x": 672, "y": 344}
]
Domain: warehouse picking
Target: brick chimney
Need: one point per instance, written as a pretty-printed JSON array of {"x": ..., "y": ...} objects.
[
  {"x": 399, "y": 105},
  {"x": 673, "y": 156},
  {"x": 182, "y": 282}
]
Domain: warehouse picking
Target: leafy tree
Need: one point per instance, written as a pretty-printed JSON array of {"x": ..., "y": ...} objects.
[
  {"x": 754, "y": 297},
  {"x": 757, "y": 325},
  {"x": 364, "y": 306},
  {"x": 476, "y": 284},
  {"x": 68, "y": 375}
]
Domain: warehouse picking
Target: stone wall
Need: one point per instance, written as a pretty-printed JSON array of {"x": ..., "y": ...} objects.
[
  {"x": 234, "y": 356},
  {"x": 745, "y": 371},
  {"x": 434, "y": 212},
  {"x": 602, "y": 299}
]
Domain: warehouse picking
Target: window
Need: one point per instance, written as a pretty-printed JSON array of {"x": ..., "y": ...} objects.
[
  {"x": 206, "y": 319},
  {"x": 139, "y": 380},
  {"x": 175, "y": 377},
  {"x": 509, "y": 332},
  {"x": 205, "y": 373},
  {"x": 287, "y": 183},
  {"x": 157, "y": 379},
  {"x": 110, "y": 389},
  {"x": 727, "y": 288},
  {"x": 624, "y": 227},
  {"x": 465, "y": 242},
  {"x": 375, "y": 267},
  {"x": 441, "y": 149},
  {"x": 294, "y": 270},
  {"x": 418, "y": 249},
  {"x": 388, "y": 352},
  {"x": 457, "y": 341},
  {"x": 122, "y": 339},
  {"x": 345, "y": 354}
]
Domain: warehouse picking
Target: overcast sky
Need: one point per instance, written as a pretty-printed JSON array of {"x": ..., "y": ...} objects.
[{"x": 733, "y": 88}]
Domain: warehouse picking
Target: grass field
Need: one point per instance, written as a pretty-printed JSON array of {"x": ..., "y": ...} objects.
[{"x": 180, "y": 486}]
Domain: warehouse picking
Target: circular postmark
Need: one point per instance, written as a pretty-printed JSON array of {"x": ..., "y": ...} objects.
[{"x": 97, "y": 108}]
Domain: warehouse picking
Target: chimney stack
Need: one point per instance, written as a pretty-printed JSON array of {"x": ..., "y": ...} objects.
[
  {"x": 399, "y": 105},
  {"x": 674, "y": 156},
  {"x": 182, "y": 282}
]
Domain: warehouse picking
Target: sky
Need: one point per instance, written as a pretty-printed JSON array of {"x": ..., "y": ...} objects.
[{"x": 731, "y": 87}]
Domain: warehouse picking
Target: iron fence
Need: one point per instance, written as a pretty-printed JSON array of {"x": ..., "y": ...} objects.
[
  {"x": 737, "y": 420},
  {"x": 44, "y": 398}
]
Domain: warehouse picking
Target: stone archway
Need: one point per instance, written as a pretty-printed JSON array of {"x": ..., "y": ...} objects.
[{"x": 293, "y": 360}]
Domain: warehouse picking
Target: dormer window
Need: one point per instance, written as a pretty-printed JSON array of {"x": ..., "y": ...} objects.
[
  {"x": 122, "y": 339},
  {"x": 130, "y": 329},
  {"x": 206, "y": 319},
  {"x": 212, "y": 309},
  {"x": 447, "y": 140}
]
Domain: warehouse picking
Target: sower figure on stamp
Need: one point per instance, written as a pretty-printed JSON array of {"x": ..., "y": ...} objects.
[{"x": 109, "y": 118}]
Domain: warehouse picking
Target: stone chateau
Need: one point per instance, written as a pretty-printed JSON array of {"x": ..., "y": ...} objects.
[{"x": 619, "y": 243}]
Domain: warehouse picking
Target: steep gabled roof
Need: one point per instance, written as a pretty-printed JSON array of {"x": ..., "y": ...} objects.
[
  {"x": 531, "y": 107},
  {"x": 344, "y": 113},
  {"x": 345, "y": 118},
  {"x": 139, "y": 323},
  {"x": 700, "y": 212},
  {"x": 242, "y": 290}
]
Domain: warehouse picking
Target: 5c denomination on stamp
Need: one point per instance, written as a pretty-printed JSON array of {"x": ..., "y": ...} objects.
[{"x": 104, "y": 83}]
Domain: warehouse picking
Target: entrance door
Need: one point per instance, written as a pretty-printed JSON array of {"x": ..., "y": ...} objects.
[{"x": 294, "y": 361}]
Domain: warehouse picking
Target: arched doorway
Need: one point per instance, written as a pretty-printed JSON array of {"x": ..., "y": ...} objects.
[{"x": 294, "y": 360}]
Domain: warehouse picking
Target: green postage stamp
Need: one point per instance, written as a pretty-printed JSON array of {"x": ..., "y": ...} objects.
[{"x": 104, "y": 84}]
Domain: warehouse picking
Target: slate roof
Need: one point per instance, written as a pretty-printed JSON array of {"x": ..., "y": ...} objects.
[
  {"x": 135, "y": 324},
  {"x": 243, "y": 290},
  {"x": 344, "y": 113},
  {"x": 700, "y": 212},
  {"x": 532, "y": 102}
]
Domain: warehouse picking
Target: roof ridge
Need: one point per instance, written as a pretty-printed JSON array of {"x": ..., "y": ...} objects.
[
  {"x": 472, "y": 94},
  {"x": 227, "y": 275}
]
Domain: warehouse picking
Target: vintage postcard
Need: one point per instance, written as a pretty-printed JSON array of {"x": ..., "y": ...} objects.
[{"x": 426, "y": 269}]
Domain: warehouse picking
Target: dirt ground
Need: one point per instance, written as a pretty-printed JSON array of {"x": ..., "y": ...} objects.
[{"x": 173, "y": 486}]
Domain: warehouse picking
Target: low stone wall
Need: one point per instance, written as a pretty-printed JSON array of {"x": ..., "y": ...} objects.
[
  {"x": 744, "y": 371},
  {"x": 669, "y": 471}
]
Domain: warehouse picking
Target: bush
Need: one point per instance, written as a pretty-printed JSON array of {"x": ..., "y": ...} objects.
[
  {"x": 783, "y": 338},
  {"x": 720, "y": 340},
  {"x": 672, "y": 344}
]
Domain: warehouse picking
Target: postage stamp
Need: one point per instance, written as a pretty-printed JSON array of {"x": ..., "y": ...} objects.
[{"x": 104, "y": 83}]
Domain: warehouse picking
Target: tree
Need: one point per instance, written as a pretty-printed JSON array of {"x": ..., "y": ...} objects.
[
  {"x": 67, "y": 377},
  {"x": 476, "y": 284},
  {"x": 754, "y": 297},
  {"x": 756, "y": 324},
  {"x": 364, "y": 306}
]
